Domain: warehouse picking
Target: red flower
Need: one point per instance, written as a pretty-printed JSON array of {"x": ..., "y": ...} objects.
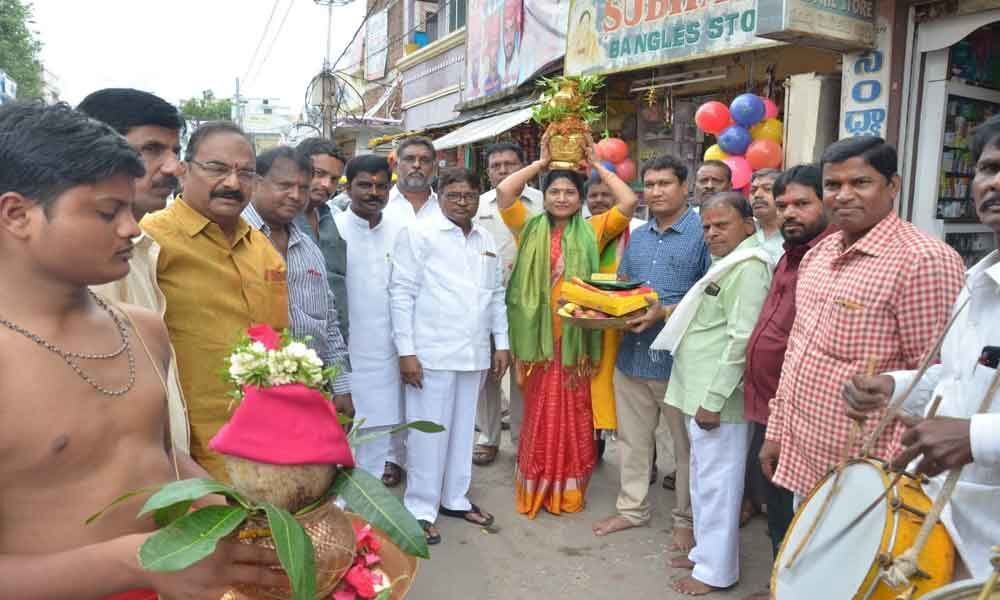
[
  {"x": 361, "y": 579},
  {"x": 265, "y": 335},
  {"x": 365, "y": 540}
]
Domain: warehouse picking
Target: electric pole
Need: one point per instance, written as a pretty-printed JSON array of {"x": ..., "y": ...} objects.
[{"x": 326, "y": 77}]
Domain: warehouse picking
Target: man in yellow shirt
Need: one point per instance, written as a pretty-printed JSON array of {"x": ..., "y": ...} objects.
[{"x": 218, "y": 274}]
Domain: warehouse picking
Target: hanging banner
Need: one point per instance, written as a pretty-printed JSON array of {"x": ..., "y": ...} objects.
[
  {"x": 864, "y": 87},
  {"x": 376, "y": 45},
  {"x": 544, "y": 37},
  {"x": 606, "y": 36},
  {"x": 492, "y": 47}
]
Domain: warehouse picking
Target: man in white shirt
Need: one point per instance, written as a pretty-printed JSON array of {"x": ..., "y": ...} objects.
[
  {"x": 369, "y": 234},
  {"x": 765, "y": 213},
  {"x": 957, "y": 437},
  {"x": 447, "y": 300},
  {"x": 152, "y": 126},
  {"x": 502, "y": 159},
  {"x": 411, "y": 200}
]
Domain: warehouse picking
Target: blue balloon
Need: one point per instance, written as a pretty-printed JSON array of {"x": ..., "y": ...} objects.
[
  {"x": 747, "y": 109},
  {"x": 734, "y": 140},
  {"x": 607, "y": 164}
]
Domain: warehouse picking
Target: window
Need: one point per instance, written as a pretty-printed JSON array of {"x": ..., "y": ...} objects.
[{"x": 456, "y": 10}]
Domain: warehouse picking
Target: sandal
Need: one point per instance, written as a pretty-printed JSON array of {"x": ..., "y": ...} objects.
[
  {"x": 467, "y": 515},
  {"x": 484, "y": 455},
  {"x": 431, "y": 534},
  {"x": 392, "y": 475}
]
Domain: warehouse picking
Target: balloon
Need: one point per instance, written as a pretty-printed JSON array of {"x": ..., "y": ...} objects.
[
  {"x": 626, "y": 170},
  {"x": 711, "y": 117},
  {"x": 613, "y": 149},
  {"x": 741, "y": 171},
  {"x": 771, "y": 129},
  {"x": 607, "y": 164},
  {"x": 770, "y": 108},
  {"x": 764, "y": 154},
  {"x": 734, "y": 140},
  {"x": 715, "y": 153},
  {"x": 747, "y": 109}
]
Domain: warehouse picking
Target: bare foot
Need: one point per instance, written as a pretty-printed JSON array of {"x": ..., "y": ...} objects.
[
  {"x": 758, "y": 596},
  {"x": 683, "y": 539},
  {"x": 680, "y": 562},
  {"x": 612, "y": 524},
  {"x": 689, "y": 586}
]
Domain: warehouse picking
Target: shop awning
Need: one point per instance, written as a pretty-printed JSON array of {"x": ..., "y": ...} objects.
[{"x": 483, "y": 129}]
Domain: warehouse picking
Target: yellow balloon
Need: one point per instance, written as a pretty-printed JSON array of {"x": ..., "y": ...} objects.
[
  {"x": 343, "y": 180},
  {"x": 394, "y": 178},
  {"x": 771, "y": 129},
  {"x": 715, "y": 153}
]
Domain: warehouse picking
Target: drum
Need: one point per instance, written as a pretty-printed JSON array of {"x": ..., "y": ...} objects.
[
  {"x": 846, "y": 552},
  {"x": 962, "y": 590}
]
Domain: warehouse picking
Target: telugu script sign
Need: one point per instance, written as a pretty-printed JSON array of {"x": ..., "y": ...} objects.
[
  {"x": 865, "y": 88},
  {"x": 840, "y": 25},
  {"x": 606, "y": 36}
]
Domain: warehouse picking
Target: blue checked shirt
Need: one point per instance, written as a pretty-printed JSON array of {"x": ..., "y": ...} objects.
[
  {"x": 311, "y": 305},
  {"x": 669, "y": 262}
]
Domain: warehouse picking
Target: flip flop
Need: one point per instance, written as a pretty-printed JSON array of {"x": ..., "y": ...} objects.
[
  {"x": 392, "y": 475},
  {"x": 483, "y": 455},
  {"x": 432, "y": 538},
  {"x": 464, "y": 514}
]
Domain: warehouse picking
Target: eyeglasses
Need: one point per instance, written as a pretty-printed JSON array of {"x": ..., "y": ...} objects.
[
  {"x": 413, "y": 160},
  {"x": 466, "y": 198},
  {"x": 218, "y": 170}
]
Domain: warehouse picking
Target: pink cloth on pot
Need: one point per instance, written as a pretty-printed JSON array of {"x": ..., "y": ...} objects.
[{"x": 284, "y": 425}]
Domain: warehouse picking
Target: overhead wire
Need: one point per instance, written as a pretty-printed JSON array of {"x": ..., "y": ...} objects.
[
  {"x": 277, "y": 34},
  {"x": 260, "y": 42}
]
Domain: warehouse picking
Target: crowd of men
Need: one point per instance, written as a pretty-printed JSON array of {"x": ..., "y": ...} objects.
[{"x": 784, "y": 317}]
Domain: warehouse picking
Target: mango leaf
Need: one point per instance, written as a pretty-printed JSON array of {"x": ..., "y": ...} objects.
[
  {"x": 189, "y": 490},
  {"x": 117, "y": 501},
  {"x": 368, "y": 497},
  {"x": 168, "y": 514},
  {"x": 384, "y": 594},
  {"x": 295, "y": 551},
  {"x": 190, "y": 538},
  {"x": 424, "y": 426}
]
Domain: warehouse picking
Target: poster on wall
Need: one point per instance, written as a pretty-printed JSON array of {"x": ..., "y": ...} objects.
[
  {"x": 544, "y": 37},
  {"x": 492, "y": 50},
  {"x": 376, "y": 45},
  {"x": 607, "y": 36}
]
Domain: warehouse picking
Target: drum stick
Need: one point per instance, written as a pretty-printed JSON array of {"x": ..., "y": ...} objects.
[{"x": 925, "y": 363}]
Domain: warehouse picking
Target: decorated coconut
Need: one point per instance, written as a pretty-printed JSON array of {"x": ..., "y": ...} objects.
[{"x": 566, "y": 111}]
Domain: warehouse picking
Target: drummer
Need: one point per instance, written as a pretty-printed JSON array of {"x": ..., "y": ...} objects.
[{"x": 956, "y": 436}]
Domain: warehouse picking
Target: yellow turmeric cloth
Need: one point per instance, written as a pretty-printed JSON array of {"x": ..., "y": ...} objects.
[
  {"x": 214, "y": 290},
  {"x": 602, "y": 389}
]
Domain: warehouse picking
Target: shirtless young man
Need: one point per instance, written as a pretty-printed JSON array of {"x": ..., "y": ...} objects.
[{"x": 82, "y": 428}]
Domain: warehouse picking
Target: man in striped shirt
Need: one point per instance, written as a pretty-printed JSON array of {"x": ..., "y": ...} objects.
[
  {"x": 281, "y": 195},
  {"x": 870, "y": 297}
]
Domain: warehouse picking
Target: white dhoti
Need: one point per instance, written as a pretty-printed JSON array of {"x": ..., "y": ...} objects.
[
  {"x": 440, "y": 464},
  {"x": 397, "y": 447},
  {"x": 371, "y": 455},
  {"x": 718, "y": 467}
]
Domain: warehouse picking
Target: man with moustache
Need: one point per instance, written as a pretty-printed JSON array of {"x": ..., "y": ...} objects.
[
  {"x": 956, "y": 437},
  {"x": 707, "y": 334},
  {"x": 668, "y": 254},
  {"x": 448, "y": 266},
  {"x": 798, "y": 198},
  {"x": 511, "y": 41},
  {"x": 712, "y": 177},
  {"x": 369, "y": 233},
  {"x": 502, "y": 159},
  {"x": 218, "y": 274},
  {"x": 281, "y": 195},
  {"x": 765, "y": 214},
  {"x": 411, "y": 200},
  {"x": 874, "y": 294},
  {"x": 326, "y": 166},
  {"x": 152, "y": 126}
]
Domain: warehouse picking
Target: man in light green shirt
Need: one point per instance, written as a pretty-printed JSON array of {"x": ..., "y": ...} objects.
[{"x": 711, "y": 328}]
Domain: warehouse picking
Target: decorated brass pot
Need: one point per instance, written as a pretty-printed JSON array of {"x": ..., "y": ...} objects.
[{"x": 566, "y": 149}]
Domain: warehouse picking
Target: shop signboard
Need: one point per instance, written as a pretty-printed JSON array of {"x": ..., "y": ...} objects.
[
  {"x": 607, "y": 36},
  {"x": 864, "y": 87},
  {"x": 544, "y": 37},
  {"x": 376, "y": 45},
  {"x": 841, "y": 25},
  {"x": 492, "y": 47}
]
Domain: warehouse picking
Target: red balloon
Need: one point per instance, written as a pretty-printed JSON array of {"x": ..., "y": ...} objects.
[
  {"x": 712, "y": 117},
  {"x": 626, "y": 170},
  {"x": 613, "y": 149},
  {"x": 764, "y": 154}
]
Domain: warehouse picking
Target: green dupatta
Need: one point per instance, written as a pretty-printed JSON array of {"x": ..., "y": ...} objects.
[{"x": 529, "y": 292}]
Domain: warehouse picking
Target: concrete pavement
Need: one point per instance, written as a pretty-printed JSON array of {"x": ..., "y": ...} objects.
[{"x": 553, "y": 558}]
